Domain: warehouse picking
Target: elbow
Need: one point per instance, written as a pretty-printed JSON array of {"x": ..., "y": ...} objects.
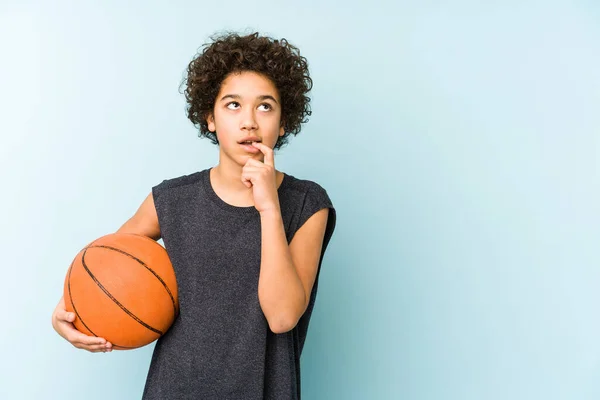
[
  {"x": 282, "y": 326},
  {"x": 283, "y": 323},
  {"x": 285, "y": 319}
]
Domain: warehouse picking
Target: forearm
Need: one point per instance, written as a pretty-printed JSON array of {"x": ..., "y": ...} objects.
[{"x": 280, "y": 290}]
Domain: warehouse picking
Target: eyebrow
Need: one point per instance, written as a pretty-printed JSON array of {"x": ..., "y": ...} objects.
[{"x": 237, "y": 97}]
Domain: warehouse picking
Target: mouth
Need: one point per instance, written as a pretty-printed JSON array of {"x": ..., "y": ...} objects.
[
  {"x": 248, "y": 147},
  {"x": 249, "y": 140}
]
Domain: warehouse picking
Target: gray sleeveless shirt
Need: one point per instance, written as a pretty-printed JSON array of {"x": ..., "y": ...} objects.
[{"x": 220, "y": 346}]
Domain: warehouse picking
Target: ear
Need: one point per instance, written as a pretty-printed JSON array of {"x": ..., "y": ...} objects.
[
  {"x": 210, "y": 120},
  {"x": 281, "y": 130}
]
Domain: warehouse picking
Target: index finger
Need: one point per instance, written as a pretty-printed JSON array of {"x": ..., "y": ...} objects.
[
  {"x": 268, "y": 152},
  {"x": 86, "y": 339}
]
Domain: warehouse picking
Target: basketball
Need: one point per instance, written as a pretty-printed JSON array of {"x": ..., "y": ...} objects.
[{"x": 122, "y": 287}]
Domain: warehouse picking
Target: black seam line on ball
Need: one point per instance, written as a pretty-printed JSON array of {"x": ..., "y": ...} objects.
[
  {"x": 175, "y": 311},
  {"x": 122, "y": 347},
  {"x": 113, "y": 298},
  {"x": 79, "y": 316},
  {"x": 73, "y": 304}
]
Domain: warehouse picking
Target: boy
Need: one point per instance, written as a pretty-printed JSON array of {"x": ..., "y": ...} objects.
[{"x": 246, "y": 240}]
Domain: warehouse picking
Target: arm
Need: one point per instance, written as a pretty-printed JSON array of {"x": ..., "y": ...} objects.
[
  {"x": 287, "y": 273},
  {"x": 144, "y": 222}
]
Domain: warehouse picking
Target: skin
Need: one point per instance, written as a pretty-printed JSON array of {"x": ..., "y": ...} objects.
[{"x": 247, "y": 104}]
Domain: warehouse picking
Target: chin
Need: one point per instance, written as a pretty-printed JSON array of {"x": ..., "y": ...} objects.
[{"x": 246, "y": 157}]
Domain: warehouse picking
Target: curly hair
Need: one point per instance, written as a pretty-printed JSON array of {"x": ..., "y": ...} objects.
[{"x": 228, "y": 53}]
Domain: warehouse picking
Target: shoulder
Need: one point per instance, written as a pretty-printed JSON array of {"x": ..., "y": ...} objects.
[
  {"x": 303, "y": 191},
  {"x": 180, "y": 181},
  {"x": 303, "y": 186},
  {"x": 300, "y": 199}
]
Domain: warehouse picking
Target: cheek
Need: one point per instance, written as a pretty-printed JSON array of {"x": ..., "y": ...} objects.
[
  {"x": 271, "y": 121},
  {"x": 225, "y": 124}
]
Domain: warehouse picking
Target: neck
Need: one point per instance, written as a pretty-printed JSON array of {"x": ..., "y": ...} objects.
[{"x": 228, "y": 174}]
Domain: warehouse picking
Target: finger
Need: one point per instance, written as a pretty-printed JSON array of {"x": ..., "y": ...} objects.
[
  {"x": 92, "y": 340},
  {"x": 252, "y": 169},
  {"x": 104, "y": 348},
  {"x": 85, "y": 340},
  {"x": 97, "y": 351},
  {"x": 64, "y": 315},
  {"x": 248, "y": 175},
  {"x": 97, "y": 348},
  {"x": 253, "y": 163},
  {"x": 267, "y": 151}
]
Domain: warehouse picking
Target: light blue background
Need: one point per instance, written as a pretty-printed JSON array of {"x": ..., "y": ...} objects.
[{"x": 459, "y": 141}]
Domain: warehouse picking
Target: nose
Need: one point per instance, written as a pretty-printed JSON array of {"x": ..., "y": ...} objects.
[{"x": 248, "y": 121}]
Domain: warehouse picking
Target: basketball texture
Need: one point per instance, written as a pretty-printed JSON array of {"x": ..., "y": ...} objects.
[{"x": 122, "y": 287}]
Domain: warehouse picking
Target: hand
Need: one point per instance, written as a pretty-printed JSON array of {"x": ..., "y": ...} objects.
[
  {"x": 262, "y": 178},
  {"x": 62, "y": 322}
]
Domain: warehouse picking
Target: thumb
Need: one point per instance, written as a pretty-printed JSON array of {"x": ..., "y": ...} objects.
[{"x": 69, "y": 317}]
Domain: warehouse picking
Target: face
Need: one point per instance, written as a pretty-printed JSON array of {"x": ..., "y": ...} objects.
[{"x": 248, "y": 105}]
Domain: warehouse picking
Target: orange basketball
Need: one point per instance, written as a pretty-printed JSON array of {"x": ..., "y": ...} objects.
[{"x": 122, "y": 287}]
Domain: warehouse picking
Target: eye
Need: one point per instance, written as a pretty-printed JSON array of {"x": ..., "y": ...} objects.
[
  {"x": 267, "y": 105},
  {"x": 230, "y": 104}
]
